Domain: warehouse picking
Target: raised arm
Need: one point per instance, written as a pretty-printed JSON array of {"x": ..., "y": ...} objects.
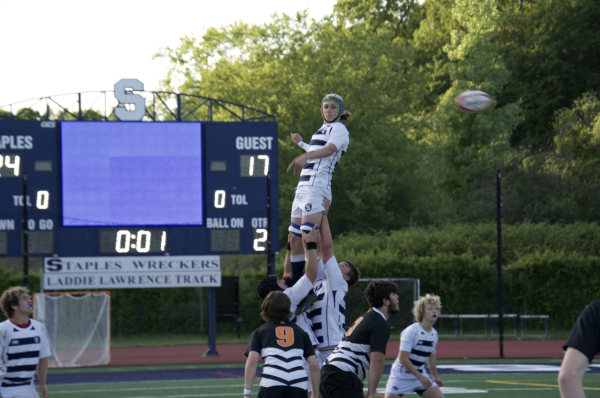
[
  {"x": 287, "y": 264},
  {"x": 326, "y": 240},
  {"x": 312, "y": 260}
]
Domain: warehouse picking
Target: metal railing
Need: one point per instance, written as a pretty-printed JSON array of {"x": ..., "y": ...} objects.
[
  {"x": 457, "y": 328},
  {"x": 160, "y": 106}
]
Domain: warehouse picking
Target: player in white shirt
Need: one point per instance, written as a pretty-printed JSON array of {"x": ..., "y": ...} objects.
[
  {"x": 328, "y": 314},
  {"x": 24, "y": 347},
  {"x": 316, "y": 168},
  {"x": 417, "y": 346}
]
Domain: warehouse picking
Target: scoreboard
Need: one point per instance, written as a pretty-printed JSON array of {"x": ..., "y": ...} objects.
[{"x": 138, "y": 188}]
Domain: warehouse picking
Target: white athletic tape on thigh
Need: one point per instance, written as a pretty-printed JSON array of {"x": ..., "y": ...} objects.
[{"x": 307, "y": 227}]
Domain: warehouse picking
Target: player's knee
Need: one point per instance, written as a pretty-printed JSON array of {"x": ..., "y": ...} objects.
[
  {"x": 565, "y": 378},
  {"x": 295, "y": 229},
  {"x": 307, "y": 227}
]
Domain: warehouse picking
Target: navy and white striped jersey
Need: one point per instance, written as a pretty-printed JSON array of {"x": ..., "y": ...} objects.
[
  {"x": 284, "y": 346},
  {"x": 420, "y": 344},
  {"x": 369, "y": 333},
  {"x": 297, "y": 293},
  {"x": 318, "y": 172},
  {"x": 20, "y": 352},
  {"x": 328, "y": 314}
]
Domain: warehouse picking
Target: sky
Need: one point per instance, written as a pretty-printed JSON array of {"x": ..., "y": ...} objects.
[{"x": 66, "y": 46}]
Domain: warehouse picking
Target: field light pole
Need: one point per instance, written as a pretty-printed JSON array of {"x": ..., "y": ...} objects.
[
  {"x": 25, "y": 235},
  {"x": 499, "y": 223}
]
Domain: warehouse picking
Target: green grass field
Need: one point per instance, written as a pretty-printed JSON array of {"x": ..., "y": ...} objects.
[{"x": 492, "y": 385}]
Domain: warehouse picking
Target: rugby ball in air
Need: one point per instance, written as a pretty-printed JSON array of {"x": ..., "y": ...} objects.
[{"x": 473, "y": 101}]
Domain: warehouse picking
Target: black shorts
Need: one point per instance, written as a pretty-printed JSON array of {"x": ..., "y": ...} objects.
[
  {"x": 336, "y": 383},
  {"x": 585, "y": 336},
  {"x": 420, "y": 392},
  {"x": 281, "y": 392}
]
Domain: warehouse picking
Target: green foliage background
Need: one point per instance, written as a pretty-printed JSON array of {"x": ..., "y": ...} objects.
[{"x": 414, "y": 158}]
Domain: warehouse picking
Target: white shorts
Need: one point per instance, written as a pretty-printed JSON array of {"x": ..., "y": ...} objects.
[
  {"x": 404, "y": 386},
  {"x": 19, "y": 392},
  {"x": 322, "y": 356},
  {"x": 309, "y": 200}
]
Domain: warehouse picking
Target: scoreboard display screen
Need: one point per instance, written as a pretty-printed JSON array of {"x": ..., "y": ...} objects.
[{"x": 138, "y": 188}]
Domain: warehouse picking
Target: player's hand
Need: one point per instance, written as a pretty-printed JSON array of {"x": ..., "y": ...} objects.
[
  {"x": 296, "y": 138},
  {"x": 439, "y": 382},
  {"x": 326, "y": 204},
  {"x": 312, "y": 236},
  {"x": 298, "y": 163},
  {"x": 44, "y": 391},
  {"x": 425, "y": 381}
]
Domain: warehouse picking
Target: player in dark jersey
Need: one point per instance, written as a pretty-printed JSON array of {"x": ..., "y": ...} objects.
[
  {"x": 581, "y": 347},
  {"x": 283, "y": 345},
  {"x": 361, "y": 352}
]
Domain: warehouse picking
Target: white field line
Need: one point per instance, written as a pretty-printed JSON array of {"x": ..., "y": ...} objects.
[
  {"x": 185, "y": 396},
  {"x": 146, "y": 381},
  {"x": 143, "y": 389}
]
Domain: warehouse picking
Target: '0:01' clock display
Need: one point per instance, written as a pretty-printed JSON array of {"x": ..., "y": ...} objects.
[{"x": 133, "y": 241}]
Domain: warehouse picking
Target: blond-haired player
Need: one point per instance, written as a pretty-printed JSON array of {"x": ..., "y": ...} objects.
[{"x": 417, "y": 346}]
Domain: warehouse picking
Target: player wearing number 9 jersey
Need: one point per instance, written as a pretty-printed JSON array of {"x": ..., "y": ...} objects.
[{"x": 283, "y": 346}]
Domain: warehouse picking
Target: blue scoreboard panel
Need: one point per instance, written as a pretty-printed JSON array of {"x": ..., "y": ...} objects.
[{"x": 138, "y": 188}]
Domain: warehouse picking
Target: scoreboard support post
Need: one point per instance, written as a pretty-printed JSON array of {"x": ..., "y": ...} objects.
[
  {"x": 270, "y": 256},
  {"x": 212, "y": 324},
  {"x": 25, "y": 236}
]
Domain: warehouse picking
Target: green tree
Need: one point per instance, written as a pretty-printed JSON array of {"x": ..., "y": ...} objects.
[
  {"x": 473, "y": 143},
  {"x": 551, "y": 49},
  {"x": 286, "y": 66},
  {"x": 403, "y": 16},
  {"x": 559, "y": 184},
  {"x": 28, "y": 114},
  {"x": 577, "y": 133}
]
